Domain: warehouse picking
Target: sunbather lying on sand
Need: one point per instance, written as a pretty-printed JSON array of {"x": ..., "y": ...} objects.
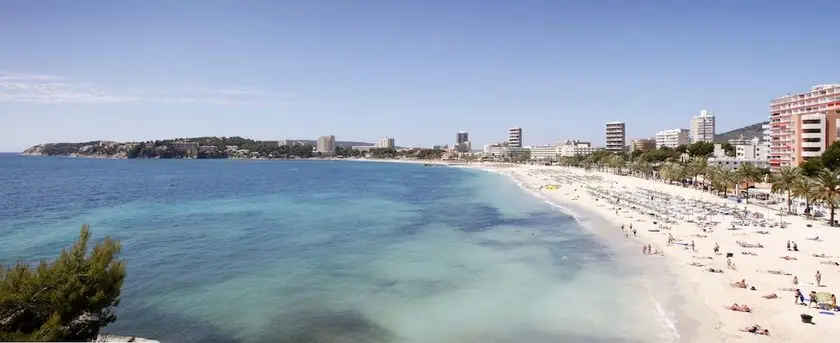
[
  {"x": 770, "y": 296},
  {"x": 777, "y": 272},
  {"x": 756, "y": 329},
  {"x": 815, "y": 238},
  {"x": 696, "y": 264},
  {"x": 749, "y": 253},
  {"x": 820, "y": 255},
  {"x": 789, "y": 258},
  {"x": 713, "y": 270},
  {"x": 830, "y": 262},
  {"x": 740, "y": 308},
  {"x": 740, "y": 284}
]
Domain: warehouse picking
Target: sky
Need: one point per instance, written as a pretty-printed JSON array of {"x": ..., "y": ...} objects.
[{"x": 418, "y": 71}]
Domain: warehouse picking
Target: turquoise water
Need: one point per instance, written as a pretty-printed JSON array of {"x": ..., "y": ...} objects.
[{"x": 321, "y": 251}]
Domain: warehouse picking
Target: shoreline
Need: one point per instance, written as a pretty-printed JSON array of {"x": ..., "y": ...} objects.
[
  {"x": 685, "y": 324},
  {"x": 701, "y": 314}
]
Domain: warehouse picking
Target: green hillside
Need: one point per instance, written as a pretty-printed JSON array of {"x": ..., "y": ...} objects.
[{"x": 748, "y": 132}]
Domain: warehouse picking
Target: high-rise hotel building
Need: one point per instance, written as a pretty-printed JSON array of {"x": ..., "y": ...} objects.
[
  {"x": 703, "y": 127},
  {"x": 803, "y": 125},
  {"x": 515, "y": 137},
  {"x": 326, "y": 144},
  {"x": 616, "y": 136}
]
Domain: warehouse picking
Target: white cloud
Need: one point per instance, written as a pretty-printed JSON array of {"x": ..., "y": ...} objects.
[{"x": 50, "y": 89}]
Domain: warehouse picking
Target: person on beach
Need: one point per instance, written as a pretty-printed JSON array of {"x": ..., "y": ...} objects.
[
  {"x": 692, "y": 246},
  {"x": 798, "y": 297},
  {"x": 818, "y": 277},
  {"x": 634, "y": 230},
  {"x": 756, "y": 329},
  {"x": 813, "y": 299},
  {"x": 788, "y": 245},
  {"x": 795, "y": 280},
  {"x": 716, "y": 249},
  {"x": 644, "y": 250},
  {"x": 729, "y": 263},
  {"x": 793, "y": 245}
]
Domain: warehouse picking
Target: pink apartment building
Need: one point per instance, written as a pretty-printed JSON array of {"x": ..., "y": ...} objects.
[{"x": 803, "y": 125}]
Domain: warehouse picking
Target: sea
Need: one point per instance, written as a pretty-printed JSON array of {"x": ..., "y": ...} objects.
[{"x": 337, "y": 252}]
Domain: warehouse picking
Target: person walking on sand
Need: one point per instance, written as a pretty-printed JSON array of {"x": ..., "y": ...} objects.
[
  {"x": 634, "y": 230},
  {"x": 692, "y": 246},
  {"x": 818, "y": 277},
  {"x": 795, "y": 280},
  {"x": 716, "y": 249}
]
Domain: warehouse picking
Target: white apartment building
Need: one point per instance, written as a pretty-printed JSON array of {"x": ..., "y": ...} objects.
[
  {"x": 515, "y": 137},
  {"x": 753, "y": 150},
  {"x": 501, "y": 150},
  {"x": 702, "y": 128},
  {"x": 735, "y": 163},
  {"x": 326, "y": 144},
  {"x": 386, "y": 142},
  {"x": 543, "y": 152},
  {"x": 671, "y": 138},
  {"x": 576, "y": 148},
  {"x": 616, "y": 136},
  {"x": 803, "y": 125}
]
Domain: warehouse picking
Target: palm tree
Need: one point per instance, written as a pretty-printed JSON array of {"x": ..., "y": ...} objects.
[
  {"x": 828, "y": 190},
  {"x": 748, "y": 173},
  {"x": 699, "y": 166},
  {"x": 722, "y": 179},
  {"x": 782, "y": 182},
  {"x": 617, "y": 163},
  {"x": 805, "y": 188}
]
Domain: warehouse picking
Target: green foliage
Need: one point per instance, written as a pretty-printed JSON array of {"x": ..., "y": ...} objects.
[
  {"x": 69, "y": 299},
  {"x": 701, "y": 149}
]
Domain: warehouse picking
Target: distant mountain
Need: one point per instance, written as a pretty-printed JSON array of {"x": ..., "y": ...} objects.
[{"x": 748, "y": 132}]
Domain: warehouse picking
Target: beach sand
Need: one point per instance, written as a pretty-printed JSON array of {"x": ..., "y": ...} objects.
[{"x": 708, "y": 295}]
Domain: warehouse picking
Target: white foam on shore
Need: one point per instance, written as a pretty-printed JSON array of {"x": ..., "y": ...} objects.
[{"x": 665, "y": 318}]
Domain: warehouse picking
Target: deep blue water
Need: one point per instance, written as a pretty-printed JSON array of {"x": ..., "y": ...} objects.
[{"x": 322, "y": 251}]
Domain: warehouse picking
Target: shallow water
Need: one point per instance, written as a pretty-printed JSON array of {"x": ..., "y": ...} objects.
[{"x": 319, "y": 251}]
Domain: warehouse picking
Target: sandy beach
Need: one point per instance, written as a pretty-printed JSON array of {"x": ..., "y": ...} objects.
[{"x": 757, "y": 244}]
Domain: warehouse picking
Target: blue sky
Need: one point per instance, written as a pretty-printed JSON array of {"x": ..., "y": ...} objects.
[{"x": 418, "y": 71}]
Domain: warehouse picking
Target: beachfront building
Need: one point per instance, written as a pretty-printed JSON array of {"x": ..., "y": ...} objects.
[
  {"x": 571, "y": 148},
  {"x": 208, "y": 148},
  {"x": 362, "y": 148},
  {"x": 616, "y": 136},
  {"x": 386, "y": 142},
  {"x": 702, "y": 128},
  {"x": 543, "y": 152},
  {"x": 187, "y": 147},
  {"x": 515, "y": 137},
  {"x": 643, "y": 144},
  {"x": 671, "y": 138},
  {"x": 498, "y": 150},
  {"x": 802, "y": 125},
  {"x": 326, "y": 145},
  {"x": 734, "y": 162}
]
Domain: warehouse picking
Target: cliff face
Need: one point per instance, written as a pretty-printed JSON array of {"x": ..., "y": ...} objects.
[{"x": 98, "y": 149}]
